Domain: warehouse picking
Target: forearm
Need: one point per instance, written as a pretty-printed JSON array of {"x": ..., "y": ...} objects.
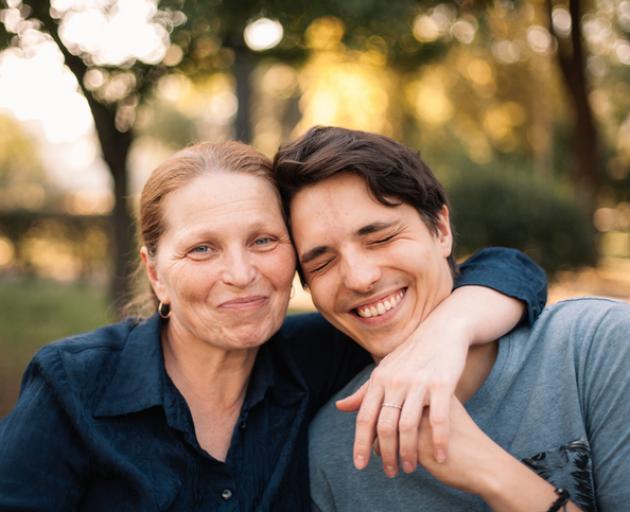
[
  {"x": 510, "y": 486},
  {"x": 481, "y": 314}
]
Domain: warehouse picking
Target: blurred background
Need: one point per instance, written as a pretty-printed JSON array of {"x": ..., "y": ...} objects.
[{"x": 520, "y": 107}]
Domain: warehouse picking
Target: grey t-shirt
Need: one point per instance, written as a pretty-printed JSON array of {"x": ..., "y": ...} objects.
[{"x": 557, "y": 397}]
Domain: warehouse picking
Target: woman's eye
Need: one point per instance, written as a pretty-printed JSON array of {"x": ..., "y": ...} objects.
[
  {"x": 263, "y": 241},
  {"x": 200, "y": 251}
]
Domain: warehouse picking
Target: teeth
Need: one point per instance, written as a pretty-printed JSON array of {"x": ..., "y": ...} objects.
[{"x": 381, "y": 307}]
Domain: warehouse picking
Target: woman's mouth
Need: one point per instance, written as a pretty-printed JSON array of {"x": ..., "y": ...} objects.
[
  {"x": 382, "y": 306},
  {"x": 240, "y": 303}
]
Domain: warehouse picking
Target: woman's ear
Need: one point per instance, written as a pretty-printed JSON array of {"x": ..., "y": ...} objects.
[
  {"x": 150, "y": 268},
  {"x": 444, "y": 231}
]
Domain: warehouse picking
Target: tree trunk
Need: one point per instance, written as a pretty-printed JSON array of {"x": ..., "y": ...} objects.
[
  {"x": 115, "y": 146},
  {"x": 242, "y": 69},
  {"x": 571, "y": 60}
]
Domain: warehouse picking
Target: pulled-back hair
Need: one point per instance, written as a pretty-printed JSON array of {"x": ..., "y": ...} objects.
[
  {"x": 394, "y": 173},
  {"x": 176, "y": 172}
]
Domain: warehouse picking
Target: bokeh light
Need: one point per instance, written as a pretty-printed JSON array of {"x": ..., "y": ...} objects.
[{"x": 263, "y": 34}]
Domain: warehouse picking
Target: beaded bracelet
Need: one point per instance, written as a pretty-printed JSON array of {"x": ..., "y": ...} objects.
[{"x": 563, "y": 497}]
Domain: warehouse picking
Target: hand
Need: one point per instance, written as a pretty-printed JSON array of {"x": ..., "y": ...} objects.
[
  {"x": 423, "y": 370},
  {"x": 471, "y": 451},
  {"x": 478, "y": 465}
]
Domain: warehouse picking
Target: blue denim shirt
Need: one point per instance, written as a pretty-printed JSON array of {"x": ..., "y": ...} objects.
[{"x": 99, "y": 426}]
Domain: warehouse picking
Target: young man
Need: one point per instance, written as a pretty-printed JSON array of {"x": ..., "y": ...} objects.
[{"x": 548, "y": 400}]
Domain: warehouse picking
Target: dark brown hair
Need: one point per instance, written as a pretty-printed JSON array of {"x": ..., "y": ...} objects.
[{"x": 394, "y": 173}]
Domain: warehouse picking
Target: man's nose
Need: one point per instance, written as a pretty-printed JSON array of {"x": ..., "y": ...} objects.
[{"x": 360, "y": 273}]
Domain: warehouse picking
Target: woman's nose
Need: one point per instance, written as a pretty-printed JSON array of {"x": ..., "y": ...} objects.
[{"x": 239, "y": 270}]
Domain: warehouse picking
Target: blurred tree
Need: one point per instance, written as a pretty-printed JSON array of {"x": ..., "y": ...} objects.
[
  {"x": 22, "y": 176},
  {"x": 571, "y": 54},
  {"x": 194, "y": 37}
]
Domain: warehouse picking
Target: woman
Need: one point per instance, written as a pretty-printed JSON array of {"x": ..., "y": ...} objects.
[{"x": 206, "y": 404}]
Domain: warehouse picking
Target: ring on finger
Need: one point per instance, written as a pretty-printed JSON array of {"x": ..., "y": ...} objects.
[{"x": 389, "y": 404}]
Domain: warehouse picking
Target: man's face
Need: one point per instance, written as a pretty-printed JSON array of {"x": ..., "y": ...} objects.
[{"x": 374, "y": 271}]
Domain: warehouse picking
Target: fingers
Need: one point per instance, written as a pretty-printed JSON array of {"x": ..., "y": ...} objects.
[
  {"x": 366, "y": 425},
  {"x": 352, "y": 402},
  {"x": 409, "y": 425},
  {"x": 387, "y": 430},
  {"x": 439, "y": 419}
]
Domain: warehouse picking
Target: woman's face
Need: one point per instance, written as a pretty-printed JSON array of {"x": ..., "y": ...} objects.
[{"x": 224, "y": 262}]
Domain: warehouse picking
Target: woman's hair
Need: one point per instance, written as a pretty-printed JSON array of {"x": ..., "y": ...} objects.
[{"x": 174, "y": 173}]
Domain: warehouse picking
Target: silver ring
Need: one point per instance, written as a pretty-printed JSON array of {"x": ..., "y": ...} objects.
[{"x": 387, "y": 404}]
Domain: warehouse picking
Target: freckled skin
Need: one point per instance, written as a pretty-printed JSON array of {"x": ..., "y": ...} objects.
[
  {"x": 225, "y": 262},
  {"x": 365, "y": 251}
]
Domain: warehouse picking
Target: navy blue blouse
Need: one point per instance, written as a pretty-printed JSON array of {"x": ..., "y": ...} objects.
[{"x": 99, "y": 426}]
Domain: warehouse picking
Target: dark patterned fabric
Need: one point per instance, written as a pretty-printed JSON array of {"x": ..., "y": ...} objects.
[{"x": 572, "y": 459}]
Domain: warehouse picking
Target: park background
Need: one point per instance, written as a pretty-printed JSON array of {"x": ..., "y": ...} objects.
[{"x": 520, "y": 107}]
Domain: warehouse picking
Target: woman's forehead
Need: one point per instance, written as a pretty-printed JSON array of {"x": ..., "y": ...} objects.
[{"x": 221, "y": 198}]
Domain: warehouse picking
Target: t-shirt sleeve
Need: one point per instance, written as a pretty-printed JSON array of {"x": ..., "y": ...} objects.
[
  {"x": 41, "y": 463},
  {"x": 510, "y": 272},
  {"x": 326, "y": 358},
  {"x": 605, "y": 367}
]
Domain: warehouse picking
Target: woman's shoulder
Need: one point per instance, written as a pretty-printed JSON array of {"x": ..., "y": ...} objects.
[
  {"x": 80, "y": 364},
  {"x": 94, "y": 344}
]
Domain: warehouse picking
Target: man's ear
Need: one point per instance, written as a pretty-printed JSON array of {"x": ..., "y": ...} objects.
[
  {"x": 152, "y": 275},
  {"x": 444, "y": 231}
]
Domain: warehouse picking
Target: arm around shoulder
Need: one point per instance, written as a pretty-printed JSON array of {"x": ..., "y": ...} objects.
[{"x": 509, "y": 272}]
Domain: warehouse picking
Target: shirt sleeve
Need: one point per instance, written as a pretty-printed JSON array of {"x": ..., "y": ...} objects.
[
  {"x": 510, "y": 272},
  {"x": 41, "y": 462},
  {"x": 605, "y": 387}
]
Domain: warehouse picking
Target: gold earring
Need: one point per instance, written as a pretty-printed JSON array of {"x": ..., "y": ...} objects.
[{"x": 164, "y": 310}]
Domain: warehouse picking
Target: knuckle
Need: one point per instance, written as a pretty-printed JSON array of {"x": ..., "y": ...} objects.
[
  {"x": 363, "y": 422},
  {"x": 407, "y": 425},
  {"x": 386, "y": 429}
]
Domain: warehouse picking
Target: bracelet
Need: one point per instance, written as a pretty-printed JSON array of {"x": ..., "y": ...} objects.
[{"x": 563, "y": 497}]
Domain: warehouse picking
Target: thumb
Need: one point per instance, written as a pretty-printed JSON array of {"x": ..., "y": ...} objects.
[{"x": 353, "y": 402}]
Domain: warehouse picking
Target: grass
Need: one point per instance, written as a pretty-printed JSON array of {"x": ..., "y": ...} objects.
[{"x": 34, "y": 312}]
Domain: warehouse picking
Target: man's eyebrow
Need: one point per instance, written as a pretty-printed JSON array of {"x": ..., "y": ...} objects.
[
  {"x": 314, "y": 253},
  {"x": 374, "y": 227}
]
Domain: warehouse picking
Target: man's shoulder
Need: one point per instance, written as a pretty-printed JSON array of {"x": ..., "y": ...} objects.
[
  {"x": 585, "y": 317},
  {"x": 332, "y": 425},
  {"x": 587, "y": 306},
  {"x": 585, "y": 327}
]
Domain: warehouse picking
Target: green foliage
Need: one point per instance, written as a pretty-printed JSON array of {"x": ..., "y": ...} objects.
[
  {"x": 36, "y": 312},
  {"x": 519, "y": 210}
]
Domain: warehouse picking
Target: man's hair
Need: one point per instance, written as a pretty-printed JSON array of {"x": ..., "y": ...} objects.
[{"x": 394, "y": 173}]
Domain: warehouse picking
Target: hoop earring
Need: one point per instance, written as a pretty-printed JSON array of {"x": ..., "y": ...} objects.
[{"x": 164, "y": 310}]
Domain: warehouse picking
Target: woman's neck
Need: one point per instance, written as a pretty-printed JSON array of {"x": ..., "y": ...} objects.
[
  {"x": 213, "y": 382},
  {"x": 205, "y": 372}
]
